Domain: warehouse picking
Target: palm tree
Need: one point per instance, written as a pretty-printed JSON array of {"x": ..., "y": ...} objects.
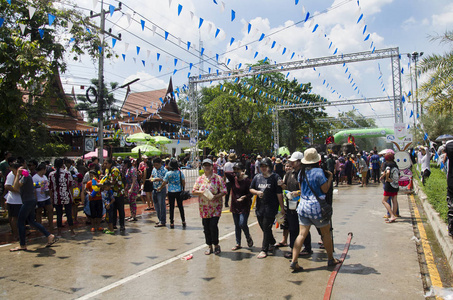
[{"x": 438, "y": 90}]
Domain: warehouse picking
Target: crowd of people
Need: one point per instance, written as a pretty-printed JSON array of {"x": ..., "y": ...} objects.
[{"x": 33, "y": 190}]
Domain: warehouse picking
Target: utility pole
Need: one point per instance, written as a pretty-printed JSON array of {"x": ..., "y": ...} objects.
[
  {"x": 415, "y": 57},
  {"x": 412, "y": 94},
  {"x": 100, "y": 93}
]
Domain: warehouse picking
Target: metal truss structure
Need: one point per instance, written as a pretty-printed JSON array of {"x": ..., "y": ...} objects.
[{"x": 392, "y": 53}]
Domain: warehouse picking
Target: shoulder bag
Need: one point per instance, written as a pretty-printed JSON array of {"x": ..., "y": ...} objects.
[
  {"x": 326, "y": 209},
  {"x": 184, "y": 194}
]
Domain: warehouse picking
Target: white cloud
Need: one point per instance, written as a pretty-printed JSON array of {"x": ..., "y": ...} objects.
[{"x": 445, "y": 18}]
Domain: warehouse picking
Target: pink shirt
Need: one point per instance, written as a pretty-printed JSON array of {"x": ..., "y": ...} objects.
[{"x": 210, "y": 208}]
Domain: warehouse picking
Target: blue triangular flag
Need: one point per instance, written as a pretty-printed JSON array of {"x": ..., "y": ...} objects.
[
  {"x": 202, "y": 51},
  {"x": 403, "y": 99},
  {"x": 217, "y": 32},
  {"x": 190, "y": 66},
  {"x": 143, "y": 24},
  {"x": 231, "y": 41},
  {"x": 418, "y": 116},
  {"x": 1, "y": 21},
  {"x": 284, "y": 50},
  {"x": 409, "y": 94},
  {"x": 174, "y": 71},
  {"x": 113, "y": 42},
  {"x": 367, "y": 37},
  {"x": 179, "y": 9},
  {"x": 51, "y": 19},
  {"x": 188, "y": 45},
  {"x": 364, "y": 29},
  {"x": 112, "y": 9},
  {"x": 9, "y": 2},
  {"x": 161, "y": 100},
  {"x": 360, "y": 18},
  {"x": 442, "y": 165},
  {"x": 233, "y": 15},
  {"x": 228, "y": 61},
  {"x": 425, "y": 137},
  {"x": 201, "y": 23},
  {"x": 160, "y": 68},
  {"x": 261, "y": 37},
  {"x": 71, "y": 40},
  {"x": 249, "y": 27},
  {"x": 166, "y": 35},
  {"x": 292, "y": 55},
  {"x": 138, "y": 50},
  {"x": 412, "y": 113},
  {"x": 256, "y": 54},
  {"x": 41, "y": 33},
  {"x": 217, "y": 57},
  {"x": 143, "y": 62},
  {"x": 297, "y": 2},
  {"x": 88, "y": 29},
  {"x": 316, "y": 27},
  {"x": 100, "y": 49},
  {"x": 307, "y": 16},
  {"x": 124, "y": 57},
  {"x": 273, "y": 44},
  {"x": 158, "y": 56},
  {"x": 176, "y": 61},
  {"x": 336, "y": 50}
]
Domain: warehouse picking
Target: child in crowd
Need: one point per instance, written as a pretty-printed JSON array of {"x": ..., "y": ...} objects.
[
  {"x": 76, "y": 196},
  {"x": 107, "y": 200},
  {"x": 95, "y": 199}
]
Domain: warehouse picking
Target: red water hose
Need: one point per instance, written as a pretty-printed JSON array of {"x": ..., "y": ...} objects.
[{"x": 333, "y": 275}]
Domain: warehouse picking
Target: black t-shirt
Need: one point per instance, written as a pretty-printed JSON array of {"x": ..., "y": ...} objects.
[
  {"x": 27, "y": 191},
  {"x": 449, "y": 151},
  {"x": 291, "y": 181},
  {"x": 394, "y": 176},
  {"x": 268, "y": 205}
]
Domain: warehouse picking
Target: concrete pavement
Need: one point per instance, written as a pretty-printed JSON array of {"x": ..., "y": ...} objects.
[{"x": 145, "y": 262}]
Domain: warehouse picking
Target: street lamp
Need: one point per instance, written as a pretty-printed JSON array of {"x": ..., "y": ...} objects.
[{"x": 415, "y": 57}]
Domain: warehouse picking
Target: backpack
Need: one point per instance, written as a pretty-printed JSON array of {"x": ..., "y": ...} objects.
[{"x": 394, "y": 176}]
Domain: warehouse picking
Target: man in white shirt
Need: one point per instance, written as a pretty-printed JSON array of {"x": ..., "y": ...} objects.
[
  {"x": 424, "y": 157},
  {"x": 229, "y": 168},
  {"x": 257, "y": 164},
  {"x": 220, "y": 164},
  {"x": 13, "y": 199}
]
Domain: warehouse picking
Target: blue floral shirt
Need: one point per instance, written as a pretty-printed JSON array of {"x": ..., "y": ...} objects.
[
  {"x": 174, "y": 181},
  {"x": 158, "y": 174}
]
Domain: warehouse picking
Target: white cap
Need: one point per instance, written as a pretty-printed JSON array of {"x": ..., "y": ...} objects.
[{"x": 296, "y": 156}]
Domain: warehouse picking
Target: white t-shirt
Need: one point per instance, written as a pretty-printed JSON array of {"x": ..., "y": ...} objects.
[
  {"x": 228, "y": 168},
  {"x": 12, "y": 197},
  {"x": 42, "y": 192}
]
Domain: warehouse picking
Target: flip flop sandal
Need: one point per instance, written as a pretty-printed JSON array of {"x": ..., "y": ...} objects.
[
  {"x": 333, "y": 262},
  {"x": 278, "y": 245},
  {"x": 390, "y": 221},
  {"x": 237, "y": 247},
  {"x": 296, "y": 268},
  {"x": 217, "y": 250},
  {"x": 306, "y": 252},
  {"x": 55, "y": 239},
  {"x": 209, "y": 251},
  {"x": 17, "y": 249},
  {"x": 262, "y": 255}
]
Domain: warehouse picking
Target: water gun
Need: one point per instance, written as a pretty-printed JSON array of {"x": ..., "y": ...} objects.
[{"x": 97, "y": 185}]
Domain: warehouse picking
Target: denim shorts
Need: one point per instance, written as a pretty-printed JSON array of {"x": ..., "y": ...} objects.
[
  {"x": 318, "y": 223},
  {"x": 43, "y": 203}
]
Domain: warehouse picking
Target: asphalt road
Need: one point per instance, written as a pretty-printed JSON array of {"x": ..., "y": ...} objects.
[{"x": 145, "y": 262}]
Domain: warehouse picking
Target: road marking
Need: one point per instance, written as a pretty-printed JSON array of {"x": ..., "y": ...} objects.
[
  {"x": 432, "y": 269},
  {"x": 150, "y": 269}
]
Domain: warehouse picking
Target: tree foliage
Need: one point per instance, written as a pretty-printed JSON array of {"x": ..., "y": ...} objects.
[
  {"x": 437, "y": 92},
  {"x": 239, "y": 114},
  {"x": 28, "y": 65}
]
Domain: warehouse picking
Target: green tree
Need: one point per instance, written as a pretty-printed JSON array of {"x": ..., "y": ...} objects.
[
  {"x": 29, "y": 64},
  {"x": 437, "y": 91},
  {"x": 435, "y": 125},
  {"x": 111, "y": 105},
  {"x": 242, "y": 118}
]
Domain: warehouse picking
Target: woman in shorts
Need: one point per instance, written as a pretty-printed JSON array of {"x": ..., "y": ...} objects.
[{"x": 309, "y": 209}]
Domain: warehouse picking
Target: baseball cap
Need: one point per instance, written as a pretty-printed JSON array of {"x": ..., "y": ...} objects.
[{"x": 296, "y": 156}]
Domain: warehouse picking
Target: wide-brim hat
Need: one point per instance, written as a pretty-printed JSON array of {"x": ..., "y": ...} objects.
[
  {"x": 259, "y": 156},
  {"x": 232, "y": 157},
  {"x": 311, "y": 156},
  {"x": 278, "y": 160}
]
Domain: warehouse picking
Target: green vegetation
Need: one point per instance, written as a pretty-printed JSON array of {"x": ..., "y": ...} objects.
[{"x": 436, "y": 190}]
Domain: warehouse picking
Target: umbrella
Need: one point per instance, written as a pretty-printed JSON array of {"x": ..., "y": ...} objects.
[
  {"x": 385, "y": 151},
  {"x": 161, "y": 139},
  {"x": 283, "y": 150},
  {"x": 147, "y": 149},
  {"x": 444, "y": 137},
  {"x": 95, "y": 154},
  {"x": 139, "y": 137}
]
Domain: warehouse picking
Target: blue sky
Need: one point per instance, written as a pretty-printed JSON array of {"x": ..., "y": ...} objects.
[{"x": 390, "y": 23}]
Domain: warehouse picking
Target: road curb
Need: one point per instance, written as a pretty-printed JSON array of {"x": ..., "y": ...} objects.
[{"x": 439, "y": 227}]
